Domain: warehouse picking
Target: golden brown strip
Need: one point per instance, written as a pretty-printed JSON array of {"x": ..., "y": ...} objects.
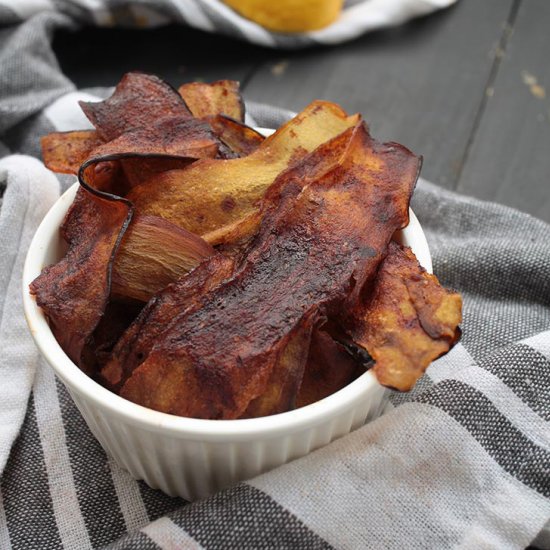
[
  {"x": 408, "y": 320},
  {"x": 212, "y": 194},
  {"x": 64, "y": 152},
  {"x": 323, "y": 239},
  {"x": 222, "y": 97}
]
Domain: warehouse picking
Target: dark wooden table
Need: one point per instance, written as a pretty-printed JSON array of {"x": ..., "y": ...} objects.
[{"x": 468, "y": 88}]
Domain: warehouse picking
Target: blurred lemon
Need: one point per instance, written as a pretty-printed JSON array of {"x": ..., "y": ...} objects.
[{"x": 289, "y": 15}]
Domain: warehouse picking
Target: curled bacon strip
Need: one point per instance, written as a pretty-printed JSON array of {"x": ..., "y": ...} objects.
[
  {"x": 74, "y": 292},
  {"x": 407, "y": 321},
  {"x": 322, "y": 239}
]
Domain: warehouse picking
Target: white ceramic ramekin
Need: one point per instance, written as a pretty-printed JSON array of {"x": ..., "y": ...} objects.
[{"x": 188, "y": 457}]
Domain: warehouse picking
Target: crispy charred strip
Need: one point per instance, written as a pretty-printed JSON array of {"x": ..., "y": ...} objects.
[
  {"x": 138, "y": 340},
  {"x": 146, "y": 126},
  {"x": 280, "y": 394},
  {"x": 321, "y": 240},
  {"x": 139, "y": 101},
  {"x": 165, "y": 144},
  {"x": 73, "y": 293},
  {"x": 407, "y": 321},
  {"x": 222, "y": 97}
]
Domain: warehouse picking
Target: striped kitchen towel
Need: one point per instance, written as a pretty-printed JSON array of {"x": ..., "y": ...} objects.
[
  {"x": 461, "y": 462},
  {"x": 357, "y": 17}
]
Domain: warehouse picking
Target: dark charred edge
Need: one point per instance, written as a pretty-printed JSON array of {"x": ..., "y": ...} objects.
[
  {"x": 127, "y": 156},
  {"x": 359, "y": 354},
  {"x": 416, "y": 178},
  {"x": 241, "y": 123},
  {"x": 148, "y": 75},
  {"x": 115, "y": 198}
]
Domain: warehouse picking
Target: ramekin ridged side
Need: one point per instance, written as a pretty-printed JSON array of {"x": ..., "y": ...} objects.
[{"x": 181, "y": 465}]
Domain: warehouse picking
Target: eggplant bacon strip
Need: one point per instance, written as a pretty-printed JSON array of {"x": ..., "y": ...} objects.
[
  {"x": 74, "y": 292},
  {"x": 146, "y": 126},
  {"x": 407, "y": 321},
  {"x": 138, "y": 100},
  {"x": 325, "y": 237},
  {"x": 222, "y": 97},
  {"x": 186, "y": 290},
  {"x": 220, "y": 199},
  {"x": 136, "y": 343},
  {"x": 64, "y": 152},
  {"x": 329, "y": 368},
  {"x": 146, "y": 119}
]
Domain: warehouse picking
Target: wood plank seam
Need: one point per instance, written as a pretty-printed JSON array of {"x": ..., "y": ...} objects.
[
  {"x": 249, "y": 75},
  {"x": 500, "y": 51}
]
